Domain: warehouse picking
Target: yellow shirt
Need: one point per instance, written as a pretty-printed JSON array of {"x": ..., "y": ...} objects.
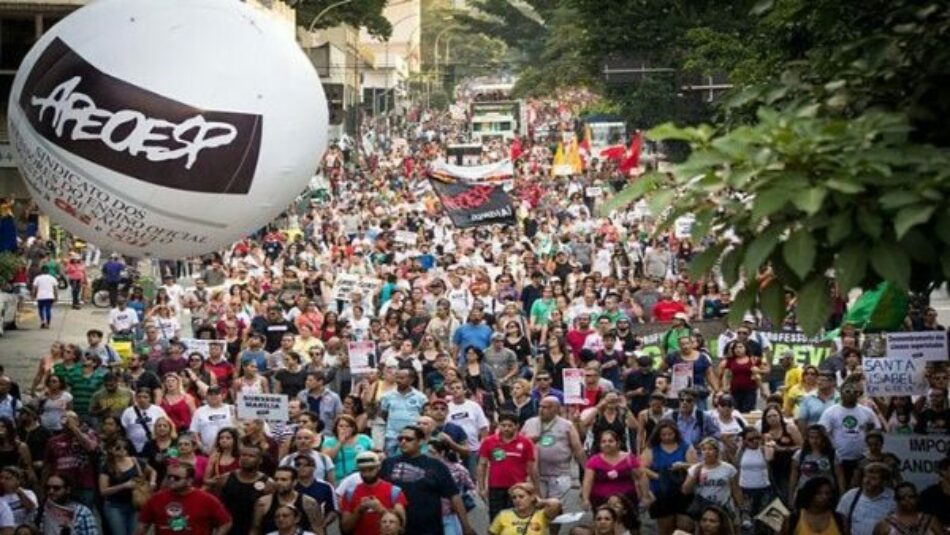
[
  {"x": 793, "y": 397},
  {"x": 793, "y": 377},
  {"x": 508, "y": 523}
]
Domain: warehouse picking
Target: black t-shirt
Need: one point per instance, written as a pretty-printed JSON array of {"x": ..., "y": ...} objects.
[
  {"x": 147, "y": 380},
  {"x": 645, "y": 379},
  {"x": 933, "y": 422},
  {"x": 291, "y": 383},
  {"x": 425, "y": 481},
  {"x": 933, "y": 501}
]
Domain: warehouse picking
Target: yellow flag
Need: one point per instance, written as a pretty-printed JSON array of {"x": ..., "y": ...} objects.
[
  {"x": 574, "y": 157},
  {"x": 560, "y": 161}
]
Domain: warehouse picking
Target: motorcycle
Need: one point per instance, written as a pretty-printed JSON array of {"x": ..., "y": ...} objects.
[{"x": 100, "y": 290}]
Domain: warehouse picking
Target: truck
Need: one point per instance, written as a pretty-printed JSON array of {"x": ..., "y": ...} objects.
[{"x": 494, "y": 115}]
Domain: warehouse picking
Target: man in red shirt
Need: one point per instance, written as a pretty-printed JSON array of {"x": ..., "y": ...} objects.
[
  {"x": 666, "y": 308},
  {"x": 365, "y": 504},
  {"x": 504, "y": 459},
  {"x": 578, "y": 334},
  {"x": 181, "y": 508}
]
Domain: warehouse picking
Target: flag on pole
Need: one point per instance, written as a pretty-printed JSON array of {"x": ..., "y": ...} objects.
[
  {"x": 632, "y": 158},
  {"x": 516, "y": 150},
  {"x": 561, "y": 166},
  {"x": 574, "y": 158},
  {"x": 585, "y": 144}
]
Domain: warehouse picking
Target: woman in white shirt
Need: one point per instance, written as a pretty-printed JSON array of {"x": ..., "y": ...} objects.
[{"x": 754, "y": 478}]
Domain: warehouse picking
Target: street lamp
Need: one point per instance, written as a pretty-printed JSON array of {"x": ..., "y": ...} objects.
[
  {"x": 325, "y": 10},
  {"x": 435, "y": 49}
]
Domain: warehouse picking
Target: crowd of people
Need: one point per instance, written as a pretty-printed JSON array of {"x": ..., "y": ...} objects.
[{"x": 464, "y": 402}]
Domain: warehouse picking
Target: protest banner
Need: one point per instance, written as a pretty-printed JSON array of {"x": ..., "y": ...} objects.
[
  {"x": 267, "y": 407},
  {"x": 919, "y": 455},
  {"x": 925, "y": 346},
  {"x": 574, "y": 386},
  {"x": 894, "y": 376},
  {"x": 406, "y": 237},
  {"x": 362, "y": 356},
  {"x": 195, "y": 345}
]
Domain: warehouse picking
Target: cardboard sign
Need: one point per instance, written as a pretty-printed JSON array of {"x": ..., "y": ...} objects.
[
  {"x": 406, "y": 237},
  {"x": 890, "y": 376},
  {"x": 681, "y": 378},
  {"x": 925, "y": 346},
  {"x": 267, "y": 407},
  {"x": 919, "y": 455},
  {"x": 594, "y": 191},
  {"x": 362, "y": 356},
  {"x": 684, "y": 227},
  {"x": 347, "y": 283},
  {"x": 574, "y": 386}
]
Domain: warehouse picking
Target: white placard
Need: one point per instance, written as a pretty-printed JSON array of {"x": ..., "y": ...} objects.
[
  {"x": 267, "y": 407},
  {"x": 890, "y": 376},
  {"x": 682, "y": 377},
  {"x": 574, "y": 386},
  {"x": 684, "y": 226},
  {"x": 919, "y": 455},
  {"x": 407, "y": 237},
  {"x": 926, "y": 346},
  {"x": 196, "y": 345},
  {"x": 345, "y": 283},
  {"x": 594, "y": 191},
  {"x": 641, "y": 209},
  {"x": 362, "y": 357}
]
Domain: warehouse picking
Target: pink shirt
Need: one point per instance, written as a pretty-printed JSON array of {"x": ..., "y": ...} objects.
[{"x": 611, "y": 479}]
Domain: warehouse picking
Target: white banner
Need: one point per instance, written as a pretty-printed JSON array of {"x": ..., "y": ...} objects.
[
  {"x": 493, "y": 172},
  {"x": 267, "y": 407},
  {"x": 362, "y": 357},
  {"x": 574, "y": 386},
  {"x": 406, "y": 237},
  {"x": 927, "y": 346},
  {"x": 594, "y": 191},
  {"x": 890, "y": 376},
  {"x": 919, "y": 455}
]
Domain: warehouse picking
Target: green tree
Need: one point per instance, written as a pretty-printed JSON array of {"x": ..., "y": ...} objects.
[
  {"x": 357, "y": 13},
  {"x": 841, "y": 177}
]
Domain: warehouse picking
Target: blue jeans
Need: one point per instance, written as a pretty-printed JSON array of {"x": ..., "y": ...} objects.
[
  {"x": 45, "y": 307},
  {"x": 120, "y": 517}
]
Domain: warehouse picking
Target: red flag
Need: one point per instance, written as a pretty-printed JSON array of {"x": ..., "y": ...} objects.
[
  {"x": 614, "y": 152},
  {"x": 632, "y": 159}
]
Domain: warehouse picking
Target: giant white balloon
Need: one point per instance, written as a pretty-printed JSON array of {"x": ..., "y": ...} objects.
[{"x": 167, "y": 127}]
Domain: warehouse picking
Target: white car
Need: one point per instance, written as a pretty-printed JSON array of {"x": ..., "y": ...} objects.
[{"x": 9, "y": 304}]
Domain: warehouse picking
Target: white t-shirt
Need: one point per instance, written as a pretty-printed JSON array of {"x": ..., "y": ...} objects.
[
  {"x": 867, "y": 512},
  {"x": 754, "y": 473},
  {"x": 45, "y": 286},
  {"x": 134, "y": 430},
  {"x": 715, "y": 484},
  {"x": 322, "y": 465},
  {"x": 123, "y": 320},
  {"x": 471, "y": 418},
  {"x": 847, "y": 429},
  {"x": 207, "y": 421},
  {"x": 21, "y": 514}
]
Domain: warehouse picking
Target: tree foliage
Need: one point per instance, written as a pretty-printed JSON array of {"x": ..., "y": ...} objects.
[
  {"x": 842, "y": 174},
  {"x": 357, "y": 13}
]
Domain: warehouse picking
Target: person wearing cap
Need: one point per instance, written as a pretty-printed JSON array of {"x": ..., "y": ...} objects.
[
  {"x": 212, "y": 417},
  {"x": 670, "y": 340},
  {"x": 363, "y": 505}
]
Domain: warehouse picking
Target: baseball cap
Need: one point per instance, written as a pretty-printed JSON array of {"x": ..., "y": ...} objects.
[
  {"x": 497, "y": 336},
  {"x": 681, "y": 316},
  {"x": 367, "y": 459}
]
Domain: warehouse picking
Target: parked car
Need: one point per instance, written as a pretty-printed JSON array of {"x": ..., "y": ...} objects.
[{"x": 9, "y": 305}]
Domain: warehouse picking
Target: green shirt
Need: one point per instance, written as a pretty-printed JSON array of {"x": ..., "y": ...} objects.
[
  {"x": 671, "y": 340},
  {"x": 83, "y": 387},
  {"x": 612, "y": 316},
  {"x": 541, "y": 311}
]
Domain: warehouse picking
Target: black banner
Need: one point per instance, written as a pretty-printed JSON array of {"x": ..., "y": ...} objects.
[{"x": 473, "y": 205}]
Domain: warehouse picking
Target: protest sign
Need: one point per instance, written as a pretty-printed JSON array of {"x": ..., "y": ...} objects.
[
  {"x": 347, "y": 283},
  {"x": 919, "y": 455},
  {"x": 683, "y": 226},
  {"x": 682, "y": 377},
  {"x": 594, "y": 191},
  {"x": 894, "y": 376},
  {"x": 406, "y": 237},
  {"x": 362, "y": 356},
  {"x": 574, "y": 386},
  {"x": 267, "y": 407},
  {"x": 925, "y": 346},
  {"x": 195, "y": 345}
]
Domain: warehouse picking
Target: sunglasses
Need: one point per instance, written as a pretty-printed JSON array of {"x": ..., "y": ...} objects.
[{"x": 406, "y": 439}]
